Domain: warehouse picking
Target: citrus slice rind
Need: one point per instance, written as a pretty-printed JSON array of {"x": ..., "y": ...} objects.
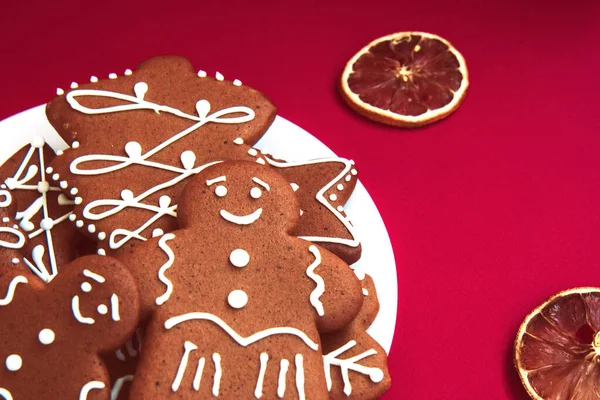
[
  {"x": 557, "y": 349},
  {"x": 390, "y": 82}
]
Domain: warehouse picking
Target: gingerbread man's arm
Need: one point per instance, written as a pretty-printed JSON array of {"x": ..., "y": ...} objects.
[{"x": 337, "y": 296}]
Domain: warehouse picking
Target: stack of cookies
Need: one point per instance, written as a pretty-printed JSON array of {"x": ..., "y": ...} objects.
[{"x": 162, "y": 256}]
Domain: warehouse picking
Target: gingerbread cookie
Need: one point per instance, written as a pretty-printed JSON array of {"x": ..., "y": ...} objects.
[
  {"x": 323, "y": 187},
  {"x": 12, "y": 239},
  {"x": 235, "y": 302},
  {"x": 52, "y": 334},
  {"x": 42, "y": 209},
  {"x": 355, "y": 364},
  {"x": 136, "y": 139}
]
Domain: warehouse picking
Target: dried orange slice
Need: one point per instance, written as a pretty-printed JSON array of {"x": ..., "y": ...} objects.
[
  {"x": 406, "y": 79},
  {"x": 557, "y": 350}
]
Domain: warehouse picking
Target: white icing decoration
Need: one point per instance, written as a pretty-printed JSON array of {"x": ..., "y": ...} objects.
[
  {"x": 86, "y": 287},
  {"x": 300, "y": 377},
  {"x": 198, "y": 374},
  {"x": 135, "y": 103},
  {"x": 118, "y": 385},
  {"x": 101, "y": 236},
  {"x": 237, "y": 299},
  {"x": 14, "y": 362},
  {"x": 188, "y": 348},
  {"x": 253, "y": 152},
  {"x": 243, "y": 341},
  {"x": 243, "y": 219},
  {"x": 101, "y": 252},
  {"x": 77, "y": 312},
  {"x": 91, "y": 228},
  {"x": 320, "y": 289},
  {"x": 202, "y": 74},
  {"x": 216, "y": 180},
  {"x": 283, "y": 370},
  {"x": 22, "y": 181},
  {"x": 221, "y": 191},
  {"x": 15, "y": 260},
  {"x": 354, "y": 242},
  {"x": 354, "y": 172},
  {"x": 340, "y": 186},
  {"x": 79, "y": 224},
  {"x": 340, "y": 208},
  {"x": 102, "y": 309},
  {"x": 239, "y": 258},
  {"x": 130, "y": 350},
  {"x": 157, "y": 232},
  {"x": 237, "y": 82},
  {"x": 85, "y": 390},
  {"x": 5, "y": 219},
  {"x": 161, "y": 272},
  {"x": 74, "y": 191},
  {"x": 120, "y": 356},
  {"x": 63, "y": 200},
  {"x": 17, "y": 233},
  {"x": 258, "y": 391},
  {"x": 365, "y": 292},
  {"x": 261, "y": 161},
  {"x": 12, "y": 286},
  {"x": 238, "y": 140},
  {"x": 114, "y": 308},
  {"x": 72, "y": 217},
  {"x": 333, "y": 197},
  {"x": 218, "y": 373},
  {"x": 94, "y": 276},
  {"x": 255, "y": 193},
  {"x": 294, "y": 186},
  {"x": 75, "y": 144},
  {"x": 188, "y": 159},
  {"x": 128, "y": 72},
  {"x": 112, "y": 75},
  {"x": 93, "y": 79},
  {"x": 350, "y": 364},
  {"x": 262, "y": 183},
  {"x": 59, "y": 91},
  {"x": 6, "y": 394},
  {"x": 46, "y": 336},
  {"x": 219, "y": 76}
]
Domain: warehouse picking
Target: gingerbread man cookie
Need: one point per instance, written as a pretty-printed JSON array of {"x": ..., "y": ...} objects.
[
  {"x": 236, "y": 303},
  {"x": 52, "y": 334}
]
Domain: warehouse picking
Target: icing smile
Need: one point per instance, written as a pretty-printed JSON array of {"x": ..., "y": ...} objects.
[{"x": 243, "y": 219}]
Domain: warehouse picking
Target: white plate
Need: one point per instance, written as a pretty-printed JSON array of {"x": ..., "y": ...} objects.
[{"x": 287, "y": 141}]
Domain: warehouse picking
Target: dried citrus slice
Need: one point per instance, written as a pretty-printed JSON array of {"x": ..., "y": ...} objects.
[
  {"x": 557, "y": 350},
  {"x": 406, "y": 79}
]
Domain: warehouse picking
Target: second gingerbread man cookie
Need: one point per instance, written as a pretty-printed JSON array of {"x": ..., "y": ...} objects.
[{"x": 236, "y": 304}]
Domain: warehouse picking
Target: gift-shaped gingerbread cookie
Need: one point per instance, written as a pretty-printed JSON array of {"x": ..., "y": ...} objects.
[
  {"x": 52, "y": 335},
  {"x": 236, "y": 303}
]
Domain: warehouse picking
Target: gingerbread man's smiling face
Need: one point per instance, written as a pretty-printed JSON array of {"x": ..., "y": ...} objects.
[{"x": 239, "y": 194}]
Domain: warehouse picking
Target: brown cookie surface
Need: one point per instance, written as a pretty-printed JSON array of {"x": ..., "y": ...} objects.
[
  {"x": 233, "y": 297},
  {"x": 52, "y": 334},
  {"x": 355, "y": 364},
  {"x": 136, "y": 140}
]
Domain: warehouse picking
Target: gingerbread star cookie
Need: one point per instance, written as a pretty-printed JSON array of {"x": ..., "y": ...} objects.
[{"x": 42, "y": 210}]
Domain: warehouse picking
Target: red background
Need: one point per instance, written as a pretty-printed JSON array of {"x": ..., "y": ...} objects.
[{"x": 490, "y": 211}]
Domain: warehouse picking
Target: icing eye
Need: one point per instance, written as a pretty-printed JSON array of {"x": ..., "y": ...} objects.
[
  {"x": 221, "y": 191},
  {"x": 255, "y": 193}
]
